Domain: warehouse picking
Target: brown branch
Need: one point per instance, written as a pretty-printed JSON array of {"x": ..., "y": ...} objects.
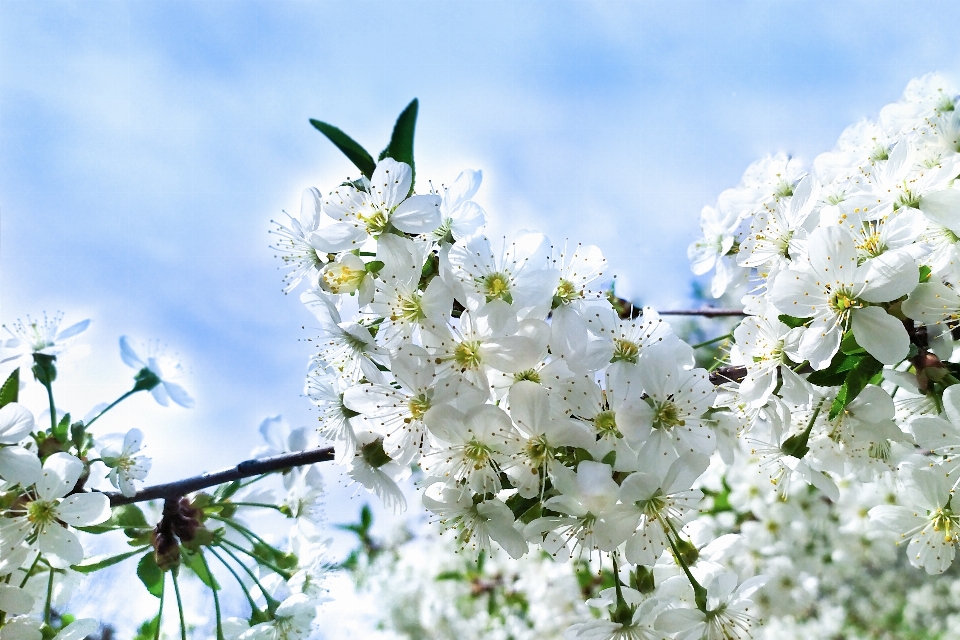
[
  {"x": 706, "y": 313},
  {"x": 245, "y": 469}
]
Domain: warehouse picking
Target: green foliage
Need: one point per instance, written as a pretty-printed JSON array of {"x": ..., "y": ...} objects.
[
  {"x": 401, "y": 142},
  {"x": 10, "y": 391},
  {"x": 350, "y": 147},
  {"x": 150, "y": 574},
  {"x": 102, "y": 562},
  {"x": 792, "y": 321},
  {"x": 193, "y": 560},
  {"x": 866, "y": 370}
]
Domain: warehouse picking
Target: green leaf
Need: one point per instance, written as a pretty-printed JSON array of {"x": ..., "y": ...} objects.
[
  {"x": 374, "y": 266},
  {"x": 925, "y": 272},
  {"x": 224, "y": 491},
  {"x": 62, "y": 431},
  {"x": 194, "y": 561},
  {"x": 102, "y": 562},
  {"x": 401, "y": 142},
  {"x": 610, "y": 458},
  {"x": 451, "y": 575},
  {"x": 857, "y": 378},
  {"x": 10, "y": 391},
  {"x": 150, "y": 574},
  {"x": 366, "y": 517},
  {"x": 350, "y": 148},
  {"x": 791, "y": 321},
  {"x": 849, "y": 345}
]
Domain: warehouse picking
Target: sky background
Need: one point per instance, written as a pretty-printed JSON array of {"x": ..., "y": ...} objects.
[{"x": 145, "y": 147}]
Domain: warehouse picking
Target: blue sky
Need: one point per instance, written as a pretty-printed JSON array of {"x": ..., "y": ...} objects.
[{"x": 145, "y": 146}]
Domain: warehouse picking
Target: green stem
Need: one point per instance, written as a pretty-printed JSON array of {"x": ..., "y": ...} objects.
[
  {"x": 176, "y": 590},
  {"x": 272, "y": 603},
  {"x": 216, "y": 597},
  {"x": 262, "y": 505},
  {"x": 112, "y": 405},
  {"x": 286, "y": 575},
  {"x": 53, "y": 407},
  {"x": 30, "y": 571},
  {"x": 47, "y": 606},
  {"x": 247, "y": 533},
  {"x": 709, "y": 342},
  {"x": 254, "y": 609},
  {"x": 163, "y": 591},
  {"x": 699, "y": 593}
]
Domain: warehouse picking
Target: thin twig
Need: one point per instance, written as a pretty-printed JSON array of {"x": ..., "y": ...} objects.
[{"x": 243, "y": 470}]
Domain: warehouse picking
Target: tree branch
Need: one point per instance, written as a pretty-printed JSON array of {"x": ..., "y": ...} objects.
[
  {"x": 707, "y": 313},
  {"x": 245, "y": 469}
]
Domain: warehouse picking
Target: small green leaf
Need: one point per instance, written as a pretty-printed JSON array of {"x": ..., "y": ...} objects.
[
  {"x": 857, "y": 378},
  {"x": 791, "y": 321},
  {"x": 62, "y": 431},
  {"x": 925, "y": 272},
  {"x": 350, "y": 148},
  {"x": 10, "y": 391},
  {"x": 102, "y": 562},
  {"x": 374, "y": 266},
  {"x": 610, "y": 458},
  {"x": 224, "y": 491},
  {"x": 401, "y": 142},
  {"x": 849, "y": 345},
  {"x": 451, "y": 575},
  {"x": 150, "y": 574}
]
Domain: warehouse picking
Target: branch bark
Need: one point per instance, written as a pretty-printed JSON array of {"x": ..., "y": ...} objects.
[
  {"x": 246, "y": 469},
  {"x": 706, "y": 313}
]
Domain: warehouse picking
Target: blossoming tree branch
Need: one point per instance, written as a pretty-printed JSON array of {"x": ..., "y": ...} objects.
[{"x": 538, "y": 412}]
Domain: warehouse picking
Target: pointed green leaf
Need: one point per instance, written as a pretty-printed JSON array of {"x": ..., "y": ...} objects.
[
  {"x": 150, "y": 574},
  {"x": 791, "y": 321},
  {"x": 62, "y": 432},
  {"x": 858, "y": 377},
  {"x": 401, "y": 142},
  {"x": 102, "y": 562},
  {"x": 350, "y": 147},
  {"x": 10, "y": 391}
]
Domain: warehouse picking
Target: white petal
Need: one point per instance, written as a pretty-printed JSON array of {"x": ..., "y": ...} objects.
[
  {"x": 57, "y": 541},
  {"x": 882, "y": 335},
  {"x": 19, "y": 466},
  {"x": 943, "y": 207},
  {"x": 59, "y": 475},
  {"x": 83, "y": 509},
  {"x": 417, "y": 214},
  {"x": 78, "y": 629},
  {"x": 16, "y": 421},
  {"x": 129, "y": 356},
  {"x": 15, "y": 600}
]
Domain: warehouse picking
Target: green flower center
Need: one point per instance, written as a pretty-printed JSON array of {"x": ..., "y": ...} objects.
[
  {"x": 467, "y": 354},
  {"x": 666, "y": 415},
  {"x": 625, "y": 350},
  {"x": 843, "y": 301},
  {"x": 41, "y": 512},
  {"x": 567, "y": 291},
  {"x": 376, "y": 221},
  {"x": 496, "y": 286},
  {"x": 606, "y": 424},
  {"x": 478, "y": 453},
  {"x": 418, "y": 406},
  {"x": 530, "y": 374}
]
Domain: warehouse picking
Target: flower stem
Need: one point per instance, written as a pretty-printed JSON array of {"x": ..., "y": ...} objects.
[
  {"x": 216, "y": 597},
  {"x": 47, "y": 606},
  {"x": 163, "y": 591},
  {"x": 176, "y": 590},
  {"x": 286, "y": 575},
  {"x": 255, "y": 612},
  {"x": 699, "y": 593},
  {"x": 30, "y": 571},
  {"x": 272, "y": 603},
  {"x": 112, "y": 405},
  {"x": 725, "y": 336}
]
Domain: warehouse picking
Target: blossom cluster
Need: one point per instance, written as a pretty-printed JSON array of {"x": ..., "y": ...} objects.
[
  {"x": 541, "y": 415},
  {"x": 54, "y": 476},
  {"x": 845, "y": 369}
]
